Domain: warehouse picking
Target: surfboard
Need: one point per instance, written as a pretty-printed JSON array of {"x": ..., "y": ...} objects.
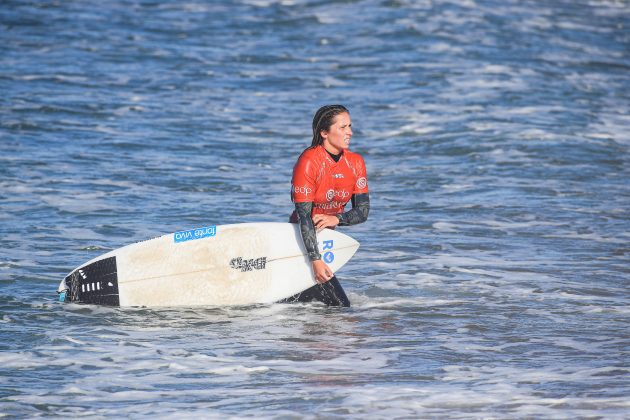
[{"x": 237, "y": 264}]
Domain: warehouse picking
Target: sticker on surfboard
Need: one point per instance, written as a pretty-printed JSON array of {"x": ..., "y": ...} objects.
[{"x": 192, "y": 234}]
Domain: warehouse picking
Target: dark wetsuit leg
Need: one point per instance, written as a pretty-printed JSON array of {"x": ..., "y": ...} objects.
[{"x": 330, "y": 293}]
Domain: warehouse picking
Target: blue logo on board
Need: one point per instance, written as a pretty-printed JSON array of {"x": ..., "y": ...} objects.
[
  {"x": 192, "y": 234},
  {"x": 328, "y": 256}
]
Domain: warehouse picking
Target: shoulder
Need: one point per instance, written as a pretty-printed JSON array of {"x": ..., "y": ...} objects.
[
  {"x": 312, "y": 155},
  {"x": 354, "y": 158},
  {"x": 309, "y": 161}
]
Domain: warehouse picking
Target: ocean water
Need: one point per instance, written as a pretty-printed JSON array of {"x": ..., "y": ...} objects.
[{"x": 493, "y": 275}]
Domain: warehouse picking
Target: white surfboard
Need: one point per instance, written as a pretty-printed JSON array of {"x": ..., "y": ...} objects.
[{"x": 236, "y": 264}]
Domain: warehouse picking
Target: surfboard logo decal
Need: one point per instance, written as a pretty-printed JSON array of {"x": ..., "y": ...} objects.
[
  {"x": 248, "y": 264},
  {"x": 192, "y": 234},
  {"x": 328, "y": 256}
]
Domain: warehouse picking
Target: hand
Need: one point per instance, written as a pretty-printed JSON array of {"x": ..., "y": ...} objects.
[
  {"x": 322, "y": 272},
  {"x": 322, "y": 221}
]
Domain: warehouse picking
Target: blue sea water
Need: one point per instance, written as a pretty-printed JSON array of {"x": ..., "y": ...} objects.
[{"x": 493, "y": 275}]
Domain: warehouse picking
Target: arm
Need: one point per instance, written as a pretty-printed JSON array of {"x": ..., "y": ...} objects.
[
  {"x": 358, "y": 213},
  {"x": 322, "y": 272},
  {"x": 307, "y": 229}
]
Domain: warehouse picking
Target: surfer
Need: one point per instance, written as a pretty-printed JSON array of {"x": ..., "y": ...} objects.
[{"x": 325, "y": 178}]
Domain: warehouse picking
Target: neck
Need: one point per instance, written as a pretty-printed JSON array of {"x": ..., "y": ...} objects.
[
  {"x": 332, "y": 150},
  {"x": 334, "y": 156}
]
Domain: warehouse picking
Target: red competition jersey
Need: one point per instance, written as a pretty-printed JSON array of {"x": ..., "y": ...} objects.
[{"x": 328, "y": 184}]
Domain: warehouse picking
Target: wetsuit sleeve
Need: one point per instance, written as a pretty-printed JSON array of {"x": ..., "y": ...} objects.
[
  {"x": 359, "y": 212},
  {"x": 303, "y": 186},
  {"x": 360, "y": 196},
  {"x": 307, "y": 229}
]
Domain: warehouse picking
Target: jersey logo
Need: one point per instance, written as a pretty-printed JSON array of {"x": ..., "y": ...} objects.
[
  {"x": 361, "y": 182},
  {"x": 341, "y": 194},
  {"x": 338, "y": 176},
  {"x": 329, "y": 206},
  {"x": 302, "y": 190}
]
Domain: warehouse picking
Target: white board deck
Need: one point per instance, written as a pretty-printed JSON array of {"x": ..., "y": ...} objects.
[{"x": 237, "y": 264}]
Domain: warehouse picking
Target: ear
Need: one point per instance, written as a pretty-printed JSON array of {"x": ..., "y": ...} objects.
[{"x": 324, "y": 134}]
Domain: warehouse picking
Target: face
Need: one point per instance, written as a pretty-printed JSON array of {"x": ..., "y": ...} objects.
[{"x": 338, "y": 137}]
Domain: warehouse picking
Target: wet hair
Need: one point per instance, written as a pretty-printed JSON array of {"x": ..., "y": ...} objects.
[{"x": 323, "y": 120}]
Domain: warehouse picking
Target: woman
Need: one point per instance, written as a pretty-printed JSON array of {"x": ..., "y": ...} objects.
[{"x": 326, "y": 176}]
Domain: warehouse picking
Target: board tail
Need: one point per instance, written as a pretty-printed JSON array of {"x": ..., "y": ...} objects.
[{"x": 94, "y": 283}]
